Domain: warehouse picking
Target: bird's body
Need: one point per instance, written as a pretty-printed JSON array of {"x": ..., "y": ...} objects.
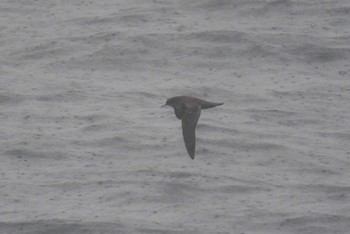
[{"x": 188, "y": 109}]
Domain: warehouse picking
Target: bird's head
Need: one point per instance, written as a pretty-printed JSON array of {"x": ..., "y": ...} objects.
[{"x": 170, "y": 102}]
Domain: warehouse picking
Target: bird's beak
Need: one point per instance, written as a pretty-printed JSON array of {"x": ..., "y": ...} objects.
[{"x": 164, "y": 105}]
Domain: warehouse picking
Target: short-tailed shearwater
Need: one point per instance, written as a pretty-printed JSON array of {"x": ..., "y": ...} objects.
[{"x": 188, "y": 109}]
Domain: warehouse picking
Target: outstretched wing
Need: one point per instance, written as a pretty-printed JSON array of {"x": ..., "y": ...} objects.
[{"x": 189, "y": 121}]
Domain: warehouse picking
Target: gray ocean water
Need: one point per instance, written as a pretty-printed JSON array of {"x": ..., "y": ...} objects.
[{"x": 86, "y": 148}]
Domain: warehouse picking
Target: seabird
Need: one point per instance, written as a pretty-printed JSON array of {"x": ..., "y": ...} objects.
[{"x": 188, "y": 109}]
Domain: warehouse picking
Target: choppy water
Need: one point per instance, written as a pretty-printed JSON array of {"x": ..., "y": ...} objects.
[{"x": 86, "y": 148}]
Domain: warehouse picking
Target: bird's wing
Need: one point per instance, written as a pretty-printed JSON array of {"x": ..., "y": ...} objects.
[
  {"x": 179, "y": 112},
  {"x": 189, "y": 121}
]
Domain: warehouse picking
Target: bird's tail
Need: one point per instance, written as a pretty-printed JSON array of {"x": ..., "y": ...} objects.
[{"x": 206, "y": 104}]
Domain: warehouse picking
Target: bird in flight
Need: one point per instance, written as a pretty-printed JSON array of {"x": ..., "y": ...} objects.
[{"x": 188, "y": 109}]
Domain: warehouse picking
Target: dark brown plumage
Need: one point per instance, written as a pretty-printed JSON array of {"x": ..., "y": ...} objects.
[{"x": 188, "y": 109}]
